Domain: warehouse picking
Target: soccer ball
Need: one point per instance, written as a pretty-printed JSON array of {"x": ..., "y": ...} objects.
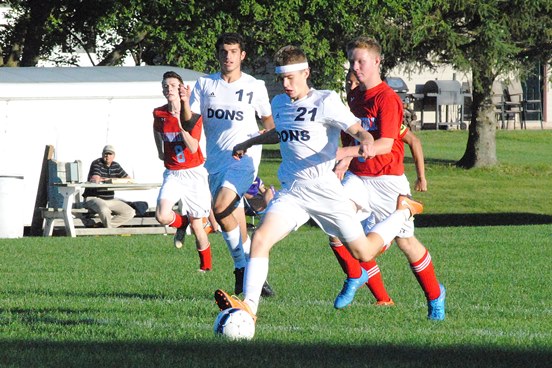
[{"x": 234, "y": 324}]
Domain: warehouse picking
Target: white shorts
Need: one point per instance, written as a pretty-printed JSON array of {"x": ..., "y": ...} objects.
[
  {"x": 377, "y": 195},
  {"x": 322, "y": 199},
  {"x": 238, "y": 177},
  {"x": 189, "y": 186}
]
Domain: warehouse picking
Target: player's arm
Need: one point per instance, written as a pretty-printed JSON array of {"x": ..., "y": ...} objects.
[
  {"x": 365, "y": 139},
  {"x": 187, "y": 117},
  {"x": 268, "y": 137},
  {"x": 158, "y": 137},
  {"x": 268, "y": 122},
  {"x": 417, "y": 152},
  {"x": 190, "y": 142}
]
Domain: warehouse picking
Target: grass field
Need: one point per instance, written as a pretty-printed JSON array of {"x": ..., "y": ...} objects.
[{"x": 138, "y": 302}]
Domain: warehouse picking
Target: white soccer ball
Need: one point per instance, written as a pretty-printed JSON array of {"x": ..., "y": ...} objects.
[{"x": 234, "y": 324}]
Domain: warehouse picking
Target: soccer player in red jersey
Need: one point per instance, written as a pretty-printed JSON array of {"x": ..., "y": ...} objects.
[
  {"x": 375, "y": 183},
  {"x": 185, "y": 178}
]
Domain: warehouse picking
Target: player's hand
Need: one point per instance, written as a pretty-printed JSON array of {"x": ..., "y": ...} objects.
[
  {"x": 185, "y": 91},
  {"x": 239, "y": 150},
  {"x": 340, "y": 169},
  {"x": 367, "y": 150},
  {"x": 421, "y": 185}
]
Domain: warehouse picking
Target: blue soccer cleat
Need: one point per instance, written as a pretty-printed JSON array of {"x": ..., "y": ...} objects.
[
  {"x": 436, "y": 307},
  {"x": 348, "y": 292}
]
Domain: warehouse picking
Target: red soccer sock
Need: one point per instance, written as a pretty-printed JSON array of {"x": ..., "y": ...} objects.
[
  {"x": 375, "y": 281},
  {"x": 205, "y": 260},
  {"x": 425, "y": 274},
  {"x": 349, "y": 264},
  {"x": 179, "y": 221}
]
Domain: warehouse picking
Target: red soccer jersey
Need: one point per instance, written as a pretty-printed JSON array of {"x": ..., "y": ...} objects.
[
  {"x": 177, "y": 156},
  {"x": 380, "y": 110}
]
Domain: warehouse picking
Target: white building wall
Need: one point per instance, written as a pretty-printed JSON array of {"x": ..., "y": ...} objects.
[{"x": 79, "y": 119}]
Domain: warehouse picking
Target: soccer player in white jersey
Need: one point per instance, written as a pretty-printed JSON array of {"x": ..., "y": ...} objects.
[
  {"x": 228, "y": 102},
  {"x": 308, "y": 124}
]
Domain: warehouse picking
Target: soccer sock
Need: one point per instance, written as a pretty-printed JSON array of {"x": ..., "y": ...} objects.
[
  {"x": 205, "y": 260},
  {"x": 233, "y": 241},
  {"x": 389, "y": 228},
  {"x": 256, "y": 273},
  {"x": 375, "y": 281},
  {"x": 179, "y": 221},
  {"x": 425, "y": 274},
  {"x": 247, "y": 247},
  {"x": 348, "y": 263}
]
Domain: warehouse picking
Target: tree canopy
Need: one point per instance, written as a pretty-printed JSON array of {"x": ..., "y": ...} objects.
[{"x": 484, "y": 37}]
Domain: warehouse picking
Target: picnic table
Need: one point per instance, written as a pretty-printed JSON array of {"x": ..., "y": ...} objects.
[{"x": 67, "y": 212}]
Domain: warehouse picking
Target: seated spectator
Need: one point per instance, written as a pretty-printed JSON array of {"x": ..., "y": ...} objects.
[{"x": 112, "y": 212}]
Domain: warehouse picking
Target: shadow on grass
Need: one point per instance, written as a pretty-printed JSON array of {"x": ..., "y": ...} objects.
[
  {"x": 481, "y": 219},
  {"x": 257, "y": 354}
]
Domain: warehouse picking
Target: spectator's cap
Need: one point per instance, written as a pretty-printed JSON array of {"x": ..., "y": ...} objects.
[{"x": 109, "y": 149}]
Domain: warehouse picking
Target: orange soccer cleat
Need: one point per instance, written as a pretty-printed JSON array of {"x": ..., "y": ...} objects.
[{"x": 226, "y": 301}]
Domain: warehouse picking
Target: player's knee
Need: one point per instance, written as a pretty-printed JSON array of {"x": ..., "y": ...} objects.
[
  {"x": 164, "y": 218},
  {"x": 363, "y": 253},
  {"x": 260, "y": 245}
]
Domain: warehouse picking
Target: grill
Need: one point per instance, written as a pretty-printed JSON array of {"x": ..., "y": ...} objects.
[
  {"x": 446, "y": 99},
  {"x": 398, "y": 85}
]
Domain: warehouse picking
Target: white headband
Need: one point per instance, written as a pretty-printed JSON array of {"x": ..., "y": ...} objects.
[{"x": 291, "y": 68}]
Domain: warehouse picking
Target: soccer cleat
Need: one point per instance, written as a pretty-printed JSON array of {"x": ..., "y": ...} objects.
[
  {"x": 238, "y": 287},
  {"x": 436, "y": 307},
  {"x": 179, "y": 237},
  {"x": 207, "y": 226},
  {"x": 226, "y": 301},
  {"x": 267, "y": 290},
  {"x": 405, "y": 201},
  {"x": 348, "y": 292},
  {"x": 381, "y": 303}
]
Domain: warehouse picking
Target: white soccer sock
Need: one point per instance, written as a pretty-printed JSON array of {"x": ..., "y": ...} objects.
[
  {"x": 256, "y": 273},
  {"x": 389, "y": 228},
  {"x": 233, "y": 241},
  {"x": 247, "y": 247}
]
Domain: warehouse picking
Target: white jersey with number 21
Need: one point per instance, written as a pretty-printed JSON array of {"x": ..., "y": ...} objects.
[{"x": 309, "y": 132}]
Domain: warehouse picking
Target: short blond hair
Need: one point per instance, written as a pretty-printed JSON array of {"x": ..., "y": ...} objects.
[
  {"x": 289, "y": 55},
  {"x": 365, "y": 42}
]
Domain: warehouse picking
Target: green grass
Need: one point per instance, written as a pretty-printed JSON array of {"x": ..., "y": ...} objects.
[{"x": 138, "y": 302}]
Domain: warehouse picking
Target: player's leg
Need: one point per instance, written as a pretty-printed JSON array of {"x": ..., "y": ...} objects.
[
  {"x": 239, "y": 213},
  {"x": 415, "y": 252},
  {"x": 226, "y": 189},
  {"x": 169, "y": 194},
  {"x": 202, "y": 243},
  {"x": 267, "y": 234},
  {"x": 385, "y": 231},
  {"x": 283, "y": 216},
  {"x": 356, "y": 275},
  {"x": 197, "y": 201},
  {"x": 422, "y": 267},
  {"x": 360, "y": 197},
  {"x": 353, "y": 269}
]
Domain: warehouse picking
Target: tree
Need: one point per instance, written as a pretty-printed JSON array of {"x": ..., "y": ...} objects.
[{"x": 485, "y": 37}]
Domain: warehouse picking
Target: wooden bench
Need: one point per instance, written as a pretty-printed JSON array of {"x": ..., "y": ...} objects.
[{"x": 146, "y": 224}]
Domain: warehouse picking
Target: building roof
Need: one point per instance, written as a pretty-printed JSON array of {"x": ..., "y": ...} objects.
[{"x": 100, "y": 74}]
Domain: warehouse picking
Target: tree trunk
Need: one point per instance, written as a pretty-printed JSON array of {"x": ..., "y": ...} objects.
[
  {"x": 481, "y": 146},
  {"x": 39, "y": 12}
]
